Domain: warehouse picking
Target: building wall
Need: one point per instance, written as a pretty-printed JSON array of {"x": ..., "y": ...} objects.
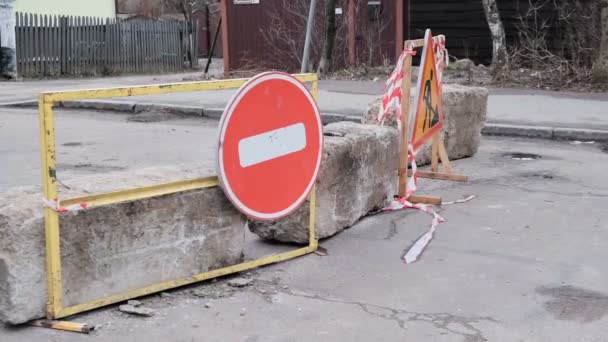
[
  {"x": 89, "y": 8},
  {"x": 247, "y": 28}
]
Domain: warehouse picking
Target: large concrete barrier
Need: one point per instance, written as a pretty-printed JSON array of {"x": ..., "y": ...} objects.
[
  {"x": 358, "y": 175},
  {"x": 465, "y": 110},
  {"x": 112, "y": 249}
]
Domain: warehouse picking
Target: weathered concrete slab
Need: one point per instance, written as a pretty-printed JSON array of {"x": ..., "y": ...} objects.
[
  {"x": 465, "y": 110},
  {"x": 115, "y": 248},
  {"x": 358, "y": 175}
]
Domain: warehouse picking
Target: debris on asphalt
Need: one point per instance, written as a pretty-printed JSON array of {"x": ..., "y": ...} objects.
[
  {"x": 134, "y": 303},
  {"x": 137, "y": 311},
  {"x": 321, "y": 251},
  {"x": 240, "y": 282},
  {"x": 165, "y": 295},
  {"x": 243, "y": 312},
  {"x": 208, "y": 306}
]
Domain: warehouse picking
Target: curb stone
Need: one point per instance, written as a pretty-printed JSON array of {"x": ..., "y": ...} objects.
[
  {"x": 490, "y": 129},
  {"x": 543, "y": 132}
]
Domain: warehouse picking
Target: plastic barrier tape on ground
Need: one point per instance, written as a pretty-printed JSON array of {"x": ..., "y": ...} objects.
[{"x": 56, "y": 207}]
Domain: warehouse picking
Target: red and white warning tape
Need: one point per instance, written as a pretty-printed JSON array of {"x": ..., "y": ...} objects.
[
  {"x": 391, "y": 101},
  {"x": 56, "y": 206},
  {"x": 442, "y": 58}
]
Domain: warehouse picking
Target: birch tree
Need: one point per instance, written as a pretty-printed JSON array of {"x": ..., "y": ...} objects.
[
  {"x": 600, "y": 69},
  {"x": 500, "y": 57}
]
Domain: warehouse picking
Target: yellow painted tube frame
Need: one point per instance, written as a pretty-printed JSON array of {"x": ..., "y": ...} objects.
[{"x": 55, "y": 308}]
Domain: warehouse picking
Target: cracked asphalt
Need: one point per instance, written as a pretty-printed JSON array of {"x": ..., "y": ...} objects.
[{"x": 524, "y": 261}]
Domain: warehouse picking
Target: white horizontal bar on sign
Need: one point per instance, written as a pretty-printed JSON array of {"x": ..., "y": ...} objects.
[{"x": 272, "y": 145}]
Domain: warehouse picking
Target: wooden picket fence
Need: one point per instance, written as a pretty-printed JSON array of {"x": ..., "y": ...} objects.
[{"x": 61, "y": 45}]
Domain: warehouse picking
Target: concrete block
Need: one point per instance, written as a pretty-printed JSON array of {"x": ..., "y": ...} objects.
[
  {"x": 358, "y": 175},
  {"x": 115, "y": 106},
  {"x": 112, "y": 249},
  {"x": 168, "y": 108},
  {"x": 465, "y": 110}
]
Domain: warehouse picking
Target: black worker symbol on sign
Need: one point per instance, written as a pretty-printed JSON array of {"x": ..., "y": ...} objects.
[{"x": 431, "y": 115}]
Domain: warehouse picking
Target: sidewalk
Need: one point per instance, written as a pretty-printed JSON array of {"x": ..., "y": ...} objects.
[{"x": 520, "y": 112}]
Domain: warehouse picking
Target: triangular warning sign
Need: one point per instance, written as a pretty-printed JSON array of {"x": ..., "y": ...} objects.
[{"x": 428, "y": 117}]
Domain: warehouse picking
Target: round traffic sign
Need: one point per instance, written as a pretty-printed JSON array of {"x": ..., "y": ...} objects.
[{"x": 270, "y": 146}]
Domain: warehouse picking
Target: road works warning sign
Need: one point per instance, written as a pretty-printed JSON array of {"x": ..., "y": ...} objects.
[
  {"x": 427, "y": 119},
  {"x": 270, "y": 148}
]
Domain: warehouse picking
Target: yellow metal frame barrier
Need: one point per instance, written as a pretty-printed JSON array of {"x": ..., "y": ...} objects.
[{"x": 55, "y": 307}]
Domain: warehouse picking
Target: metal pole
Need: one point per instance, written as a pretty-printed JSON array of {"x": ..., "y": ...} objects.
[
  {"x": 217, "y": 33},
  {"x": 309, "y": 29}
]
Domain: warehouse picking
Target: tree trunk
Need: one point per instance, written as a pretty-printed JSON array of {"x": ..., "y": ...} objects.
[
  {"x": 330, "y": 37},
  {"x": 500, "y": 57},
  {"x": 600, "y": 68}
]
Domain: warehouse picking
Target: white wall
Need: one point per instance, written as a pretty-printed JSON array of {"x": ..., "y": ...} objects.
[{"x": 89, "y": 8}]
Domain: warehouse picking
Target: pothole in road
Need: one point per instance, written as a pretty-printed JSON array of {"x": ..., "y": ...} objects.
[{"x": 522, "y": 156}]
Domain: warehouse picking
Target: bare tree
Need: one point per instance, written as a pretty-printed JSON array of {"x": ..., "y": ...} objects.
[
  {"x": 285, "y": 35},
  {"x": 373, "y": 32},
  {"x": 600, "y": 69},
  {"x": 500, "y": 57},
  {"x": 330, "y": 37}
]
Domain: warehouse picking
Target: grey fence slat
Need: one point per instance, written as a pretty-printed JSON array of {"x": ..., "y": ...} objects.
[
  {"x": 87, "y": 44},
  {"x": 106, "y": 46},
  {"x": 75, "y": 37},
  {"x": 140, "y": 46},
  {"x": 30, "y": 45},
  {"x": 46, "y": 38},
  {"x": 101, "y": 51},
  {"x": 67, "y": 44},
  {"x": 70, "y": 45},
  {"x": 133, "y": 46},
  {"x": 177, "y": 45},
  {"x": 117, "y": 41},
  {"x": 97, "y": 53},
  {"x": 129, "y": 47},
  {"x": 33, "y": 45},
  {"x": 41, "y": 45},
  {"x": 151, "y": 47},
  {"x": 145, "y": 45},
  {"x": 38, "y": 51},
  {"x": 79, "y": 47},
  {"x": 75, "y": 45},
  {"x": 163, "y": 42},
  {"x": 17, "y": 38},
  {"x": 166, "y": 47},
  {"x": 154, "y": 41},
  {"x": 56, "y": 47},
  {"x": 61, "y": 43},
  {"x": 123, "y": 38}
]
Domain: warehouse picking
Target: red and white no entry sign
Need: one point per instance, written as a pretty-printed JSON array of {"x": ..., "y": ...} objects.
[{"x": 270, "y": 148}]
